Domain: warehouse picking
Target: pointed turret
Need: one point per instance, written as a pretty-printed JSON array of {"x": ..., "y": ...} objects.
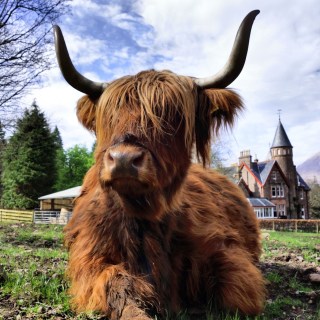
[
  {"x": 281, "y": 151},
  {"x": 281, "y": 139}
]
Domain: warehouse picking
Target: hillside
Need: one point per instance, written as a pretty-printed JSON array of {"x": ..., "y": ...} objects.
[{"x": 310, "y": 168}]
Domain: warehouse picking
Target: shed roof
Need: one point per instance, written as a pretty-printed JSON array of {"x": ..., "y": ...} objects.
[{"x": 65, "y": 194}]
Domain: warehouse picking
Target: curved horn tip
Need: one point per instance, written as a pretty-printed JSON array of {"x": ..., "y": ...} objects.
[
  {"x": 236, "y": 59},
  {"x": 254, "y": 12},
  {"x": 56, "y": 30},
  {"x": 69, "y": 72}
]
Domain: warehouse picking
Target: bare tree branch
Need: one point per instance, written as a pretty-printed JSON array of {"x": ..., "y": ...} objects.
[{"x": 25, "y": 48}]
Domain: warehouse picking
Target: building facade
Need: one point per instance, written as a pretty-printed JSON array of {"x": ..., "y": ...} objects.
[{"x": 276, "y": 179}]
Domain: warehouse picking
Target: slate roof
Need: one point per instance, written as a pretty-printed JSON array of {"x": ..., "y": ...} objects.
[
  {"x": 65, "y": 194},
  {"x": 260, "y": 202},
  {"x": 302, "y": 183},
  {"x": 280, "y": 138},
  {"x": 261, "y": 170}
]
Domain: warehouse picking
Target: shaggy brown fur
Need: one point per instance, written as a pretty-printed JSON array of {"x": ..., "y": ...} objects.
[{"x": 174, "y": 235}]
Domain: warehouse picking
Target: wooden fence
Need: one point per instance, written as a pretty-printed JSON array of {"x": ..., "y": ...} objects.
[
  {"x": 46, "y": 217},
  {"x": 15, "y": 216},
  {"x": 268, "y": 224},
  {"x": 290, "y": 225}
]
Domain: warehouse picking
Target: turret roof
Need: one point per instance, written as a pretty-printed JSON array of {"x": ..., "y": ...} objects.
[{"x": 280, "y": 138}]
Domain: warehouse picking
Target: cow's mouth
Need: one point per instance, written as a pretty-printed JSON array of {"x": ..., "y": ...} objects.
[
  {"x": 128, "y": 187},
  {"x": 138, "y": 202}
]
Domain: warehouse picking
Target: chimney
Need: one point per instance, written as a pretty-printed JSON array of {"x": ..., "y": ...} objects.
[{"x": 245, "y": 157}]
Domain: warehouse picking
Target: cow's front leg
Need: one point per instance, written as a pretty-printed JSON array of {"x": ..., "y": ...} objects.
[
  {"x": 121, "y": 295},
  {"x": 129, "y": 297},
  {"x": 239, "y": 282}
]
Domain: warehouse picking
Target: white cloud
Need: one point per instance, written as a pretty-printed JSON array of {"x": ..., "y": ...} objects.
[{"x": 282, "y": 70}]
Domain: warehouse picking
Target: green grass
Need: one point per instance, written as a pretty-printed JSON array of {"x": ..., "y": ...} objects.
[
  {"x": 274, "y": 277},
  {"x": 298, "y": 239},
  {"x": 304, "y": 244},
  {"x": 279, "y": 305},
  {"x": 33, "y": 262}
]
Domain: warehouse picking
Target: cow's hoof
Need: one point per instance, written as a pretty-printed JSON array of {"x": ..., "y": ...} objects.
[{"x": 133, "y": 312}]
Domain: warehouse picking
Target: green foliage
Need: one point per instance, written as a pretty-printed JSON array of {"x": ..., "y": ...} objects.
[
  {"x": 72, "y": 164},
  {"x": 314, "y": 200},
  {"x": 57, "y": 140},
  {"x": 2, "y": 148},
  {"x": 28, "y": 161}
]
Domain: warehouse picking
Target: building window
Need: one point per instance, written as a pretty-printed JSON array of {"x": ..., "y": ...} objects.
[
  {"x": 301, "y": 194},
  {"x": 281, "y": 210},
  {"x": 277, "y": 191},
  {"x": 302, "y": 212},
  {"x": 264, "y": 213}
]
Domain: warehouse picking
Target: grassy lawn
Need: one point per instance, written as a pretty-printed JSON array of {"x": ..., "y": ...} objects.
[{"x": 33, "y": 260}]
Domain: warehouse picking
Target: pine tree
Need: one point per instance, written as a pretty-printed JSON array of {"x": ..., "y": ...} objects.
[
  {"x": 2, "y": 148},
  {"x": 28, "y": 161},
  {"x": 60, "y": 159},
  {"x": 57, "y": 138}
]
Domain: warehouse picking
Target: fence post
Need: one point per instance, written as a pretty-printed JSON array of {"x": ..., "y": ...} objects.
[
  {"x": 317, "y": 227},
  {"x": 296, "y": 226},
  {"x": 273, "y": 225}
]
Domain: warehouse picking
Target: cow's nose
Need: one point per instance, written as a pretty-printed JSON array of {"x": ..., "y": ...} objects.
[{"x": 124, "y": 162}]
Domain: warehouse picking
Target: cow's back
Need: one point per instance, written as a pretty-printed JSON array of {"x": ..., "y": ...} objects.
[{"x": 218, "y": 211}]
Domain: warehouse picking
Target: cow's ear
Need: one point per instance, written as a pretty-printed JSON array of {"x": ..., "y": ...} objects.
[
  {"x": 216, "y": 108},
  {"x": 86, "y": 113},
  {"x": 222, "y": 107}
]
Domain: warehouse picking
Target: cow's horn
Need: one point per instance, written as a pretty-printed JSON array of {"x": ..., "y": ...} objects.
[
  {"x": 237, "y": 58},
  {"x": 69, "y": 72}
]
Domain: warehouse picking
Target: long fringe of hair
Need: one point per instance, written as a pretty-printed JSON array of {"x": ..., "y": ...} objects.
[{"x": 156, "y": 98}]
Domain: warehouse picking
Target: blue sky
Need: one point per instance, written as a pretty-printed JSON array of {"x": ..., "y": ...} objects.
[{"x": 108, "y": 39}]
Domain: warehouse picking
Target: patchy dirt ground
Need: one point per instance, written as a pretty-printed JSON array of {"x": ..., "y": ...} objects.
[
  {"x": 289, "y": 296},
  {"x": 293, "y": 281},
  {"x": 292, "y": 277}
]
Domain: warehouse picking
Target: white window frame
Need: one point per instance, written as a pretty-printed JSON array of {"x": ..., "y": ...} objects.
[
  {"x": 277, "y": 191},
  {"x": 281, "y": 210}
]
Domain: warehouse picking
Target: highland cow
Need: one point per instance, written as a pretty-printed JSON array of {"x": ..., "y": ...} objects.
[{"x": 151, "y": 232}]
